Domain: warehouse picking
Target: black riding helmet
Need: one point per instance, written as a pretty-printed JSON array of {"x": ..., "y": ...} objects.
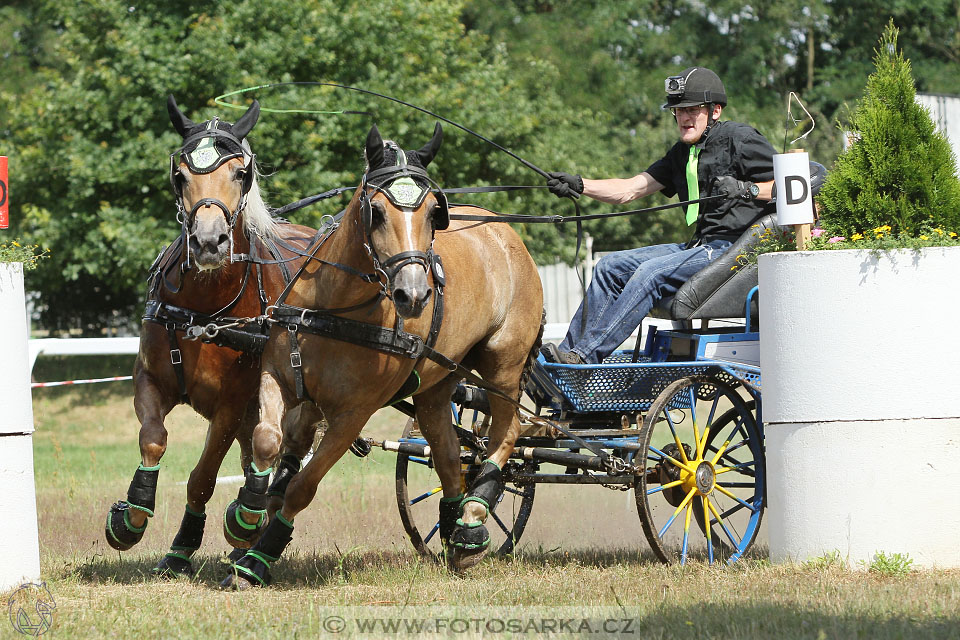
[{"x": 696, "y": 85}]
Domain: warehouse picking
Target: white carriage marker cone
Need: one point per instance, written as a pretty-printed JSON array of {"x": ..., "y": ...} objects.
[{"x": 20, "y": 550}]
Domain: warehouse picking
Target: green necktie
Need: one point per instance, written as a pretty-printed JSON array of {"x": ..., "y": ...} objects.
[{"x": 693, "y": 186}]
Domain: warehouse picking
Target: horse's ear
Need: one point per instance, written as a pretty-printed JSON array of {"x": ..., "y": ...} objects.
[
  {"x": 374, "y": 151},
  {"x": 180, "y": 122},
  {"x": 246, "y": 122},
  {"x": 429, "y": 151}
]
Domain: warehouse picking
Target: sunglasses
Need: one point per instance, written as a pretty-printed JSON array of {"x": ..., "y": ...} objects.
[{"x": 687, "y": 111}]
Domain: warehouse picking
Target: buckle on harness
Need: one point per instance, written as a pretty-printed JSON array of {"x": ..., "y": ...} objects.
[
  {"x": 295, "y": 360},
  {"x": 175, "y": 357},
  {"x": 416, "y": 346}
]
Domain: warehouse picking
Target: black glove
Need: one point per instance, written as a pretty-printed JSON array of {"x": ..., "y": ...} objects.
[
  {"x": 730, "y": 187},
  {"x": 565, "y": 185}
]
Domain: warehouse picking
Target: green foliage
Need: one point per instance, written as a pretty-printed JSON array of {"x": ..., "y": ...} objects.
[
  {"x": 567, "y": 85},
  {"x": 29, "y": 254},
  {"x": 892, "y": 565},
  {"x": 90, "y": 138},
  {"x": 899, "y": 171},
  {"x": 826, "y": 562}
]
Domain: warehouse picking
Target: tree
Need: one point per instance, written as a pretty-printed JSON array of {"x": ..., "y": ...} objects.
[
  {"x": 899, "y": 172},
  {"x": 89, "y": 139}
]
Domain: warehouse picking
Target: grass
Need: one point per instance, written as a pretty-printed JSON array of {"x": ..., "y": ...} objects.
[{"x": 583, "y": 557}]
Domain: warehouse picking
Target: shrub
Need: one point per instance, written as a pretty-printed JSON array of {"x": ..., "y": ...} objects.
[{"x": 899, "y": 172}]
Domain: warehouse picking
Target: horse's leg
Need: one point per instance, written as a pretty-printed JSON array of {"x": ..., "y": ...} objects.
[
  {"x": 470, "y": 540},
  {"x": 246, "y": 516},
  {"x": 251, "y": 416},
  {"x": 127, "y": 520},
  {"x": 434, "y": 420},
  {"x": 253, "y": 569},
  {"x": 200, "y": 486},
  {"x": 299, "y": 429}
]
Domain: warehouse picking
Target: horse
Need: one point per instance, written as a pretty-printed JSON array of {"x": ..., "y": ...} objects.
[
  {"x": 231, "y": 261},
  {"x": 378, "y": 308}
]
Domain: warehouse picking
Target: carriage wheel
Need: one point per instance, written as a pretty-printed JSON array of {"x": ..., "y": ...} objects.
[
  {"x": 419, "y": 493},
  {"x": 704, "y": 453}
]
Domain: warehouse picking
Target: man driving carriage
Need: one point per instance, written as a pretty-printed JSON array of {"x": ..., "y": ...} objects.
[{"x": 720, "y": 158}]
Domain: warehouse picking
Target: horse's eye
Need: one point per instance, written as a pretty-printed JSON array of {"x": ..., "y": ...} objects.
[
  {"x": 240, "y": 175},
  {"x": 379, "y": 214}
]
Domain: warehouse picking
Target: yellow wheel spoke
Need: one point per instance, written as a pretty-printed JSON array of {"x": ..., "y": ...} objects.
[
  {"x": 733, "y": 497},
  {"x": 706, "y": 518},
  {"x": 720, "y": 453},
  {"x": 675, "y": 483},
  {"x": 719, "y": 470},
  {"x": 696, "y": 438},
  {"x": 683, "y": 465},
  {"x": 683, "y": 452},
  {"x": 702, "y": 443},
  {"x": 686, "y": 521},
  {"x": 686, "y": 500}
]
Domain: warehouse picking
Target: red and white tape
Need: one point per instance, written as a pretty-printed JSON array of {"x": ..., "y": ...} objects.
[{"x": 40, "y": 385}]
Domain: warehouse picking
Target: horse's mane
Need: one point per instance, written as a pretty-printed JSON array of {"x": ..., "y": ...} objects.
[{"x": 256, "y": 216}]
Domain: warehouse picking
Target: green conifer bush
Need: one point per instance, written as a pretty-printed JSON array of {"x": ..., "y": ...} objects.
[{"x": 899, "y": 173}]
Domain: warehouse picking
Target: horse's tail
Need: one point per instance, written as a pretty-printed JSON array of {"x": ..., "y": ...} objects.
[{"x": 532, "y": 356}]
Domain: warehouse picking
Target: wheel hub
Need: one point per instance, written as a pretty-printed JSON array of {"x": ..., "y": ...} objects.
[{"x": 706, "y": 477}]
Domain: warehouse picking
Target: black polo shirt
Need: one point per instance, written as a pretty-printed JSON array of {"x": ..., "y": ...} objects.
[{"x": 728, "y": 149}]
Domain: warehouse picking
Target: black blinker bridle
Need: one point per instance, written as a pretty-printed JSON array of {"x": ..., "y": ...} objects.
[
  {"x": 206, "y": 158},
  {"x": 406, "y": 187}
]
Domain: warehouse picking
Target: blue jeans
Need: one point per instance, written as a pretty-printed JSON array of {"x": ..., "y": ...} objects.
[{"x": 626, "y": 285}]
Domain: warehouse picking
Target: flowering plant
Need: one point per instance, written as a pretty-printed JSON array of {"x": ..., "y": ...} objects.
[{"x": 28, "y": 254}]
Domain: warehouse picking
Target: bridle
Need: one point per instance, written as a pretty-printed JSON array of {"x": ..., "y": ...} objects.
[
  {"x": 406, "y": 187},
  {"x": 206, "y": 158}
]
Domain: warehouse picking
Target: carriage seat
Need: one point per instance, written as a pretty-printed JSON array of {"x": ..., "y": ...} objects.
[{"x": 718, "y": 290}]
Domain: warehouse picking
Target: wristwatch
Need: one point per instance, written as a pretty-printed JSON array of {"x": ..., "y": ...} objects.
[{"x": 754, "y": 190}]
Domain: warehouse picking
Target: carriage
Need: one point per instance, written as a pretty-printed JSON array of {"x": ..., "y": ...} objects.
[{"x": 676, "y": 418}]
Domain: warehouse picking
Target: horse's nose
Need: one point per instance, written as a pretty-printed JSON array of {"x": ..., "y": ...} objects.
[
  {"x": 411, "y": 291},
  {"x": 209, "y": 239}
]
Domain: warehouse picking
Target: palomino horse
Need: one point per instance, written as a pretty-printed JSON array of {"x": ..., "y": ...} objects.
[
  {"x": 231, "y": 261},
  {"x": 354, "y": 341}
]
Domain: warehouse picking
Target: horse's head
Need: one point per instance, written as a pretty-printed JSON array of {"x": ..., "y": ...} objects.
[
  {"x": 399, "y": 212},
  {"x": 212, "y": 174}
]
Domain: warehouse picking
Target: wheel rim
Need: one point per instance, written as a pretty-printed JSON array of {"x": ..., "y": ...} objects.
[
  {"x": 704, "y": 462},
  {"x": 419, "y": 493}
]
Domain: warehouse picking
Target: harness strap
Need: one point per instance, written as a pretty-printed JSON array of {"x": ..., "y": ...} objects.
[
  {"x": 176, "y": 359},
  {"x": 295, "y": 361},
  {"x": 393, "y": 341}
]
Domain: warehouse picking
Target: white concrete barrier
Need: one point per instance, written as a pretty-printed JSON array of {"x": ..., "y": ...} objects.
[
  {"x": 861, "y": 405},
  {"x": 19, "y": 542}
]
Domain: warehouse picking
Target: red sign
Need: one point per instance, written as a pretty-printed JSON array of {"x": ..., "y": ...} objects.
[{"x": 4, "y": 209}]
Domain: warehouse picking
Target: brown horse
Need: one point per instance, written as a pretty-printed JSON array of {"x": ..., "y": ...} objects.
[
  {"x": 355, "y": 324},
  {"x": 231, "y": 261}
]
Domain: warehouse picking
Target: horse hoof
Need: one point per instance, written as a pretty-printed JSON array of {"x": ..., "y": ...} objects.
[
  {"x": 463, "y": 559},
  {"x": 236, "y": 582},
  {"x": 249, "y": 571},
  {"x": 120, "y": 534},
  {"x": 238, "y": 533},
  {"x": 469, "y": 542},
  {"x": 171, "y": 566}
]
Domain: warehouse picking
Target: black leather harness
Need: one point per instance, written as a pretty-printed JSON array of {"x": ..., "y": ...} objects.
[
  {"x": 395, "y": 341},
  {"x": 246, "y": 335}
]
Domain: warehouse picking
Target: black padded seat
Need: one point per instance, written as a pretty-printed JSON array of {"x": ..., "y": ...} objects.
[{"x": 718, "y": 290}]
